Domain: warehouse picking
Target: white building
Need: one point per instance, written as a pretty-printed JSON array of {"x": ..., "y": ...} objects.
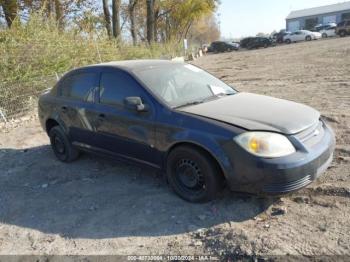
[{"x": 309, "y": 18}]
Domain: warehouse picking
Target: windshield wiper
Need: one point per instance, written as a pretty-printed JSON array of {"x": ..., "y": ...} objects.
[
  {"x": 190, "y": 103},
  {"x": 219, "y": 95},
  {"x": 205, "y": 99}
]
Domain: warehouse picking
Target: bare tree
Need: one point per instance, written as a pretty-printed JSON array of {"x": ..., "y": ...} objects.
[
  {"x": 59, "y": 13},
  {"x": 10, "y": 9},
  {"x": 132, "y": 6},
  {"x": 156, "y": 13},
  {"x": 107, "y": 15},
  {"x": 150, "y": 21},
  {"x": 116, "y": 18}
]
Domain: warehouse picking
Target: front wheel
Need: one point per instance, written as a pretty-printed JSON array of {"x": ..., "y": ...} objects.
[
  {"x": 324, "y": 35},
  {"x": 288, "y": 41},
  {"x": 308, "y": 38},
  {"x": 193, "y": 174},
  {"x": 61, "y": 145}
]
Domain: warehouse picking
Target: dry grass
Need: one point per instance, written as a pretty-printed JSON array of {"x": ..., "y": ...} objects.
[{"x": 34, "y": 54}]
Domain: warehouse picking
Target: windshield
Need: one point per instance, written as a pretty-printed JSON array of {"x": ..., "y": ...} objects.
[{"x": 183, "y": 84}]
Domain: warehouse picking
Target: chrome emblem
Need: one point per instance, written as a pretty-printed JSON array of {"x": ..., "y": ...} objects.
[{"x": 316, "y": 133}]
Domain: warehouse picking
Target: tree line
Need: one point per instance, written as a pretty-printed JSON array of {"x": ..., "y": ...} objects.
[{"x": 135, "y": 20}]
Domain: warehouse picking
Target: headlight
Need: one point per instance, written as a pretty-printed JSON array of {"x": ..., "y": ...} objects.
[{"x": 265, "y": 144}]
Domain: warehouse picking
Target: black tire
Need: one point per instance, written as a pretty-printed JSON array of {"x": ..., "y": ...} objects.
[
  {"x": 342, "y": 33},
  {"x": 308, "y": 38},
  {"x": 288, "y": 41},
  {"x": 324, "y": 35},
  {"x": 193, "y": 174},
  {"x": 61, "y": 146}
]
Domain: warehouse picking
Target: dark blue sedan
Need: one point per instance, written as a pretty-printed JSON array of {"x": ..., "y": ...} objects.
[{"x": 177, "y": 118}]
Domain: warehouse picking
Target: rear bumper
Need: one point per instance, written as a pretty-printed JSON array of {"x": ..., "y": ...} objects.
[{"x": 283, "y": 175}]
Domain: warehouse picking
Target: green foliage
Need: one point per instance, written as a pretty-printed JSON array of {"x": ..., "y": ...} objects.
[{"x": 182, "y": 14}]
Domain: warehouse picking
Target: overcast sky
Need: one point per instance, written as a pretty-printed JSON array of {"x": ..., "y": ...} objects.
[{"x": 249, "y": 17}]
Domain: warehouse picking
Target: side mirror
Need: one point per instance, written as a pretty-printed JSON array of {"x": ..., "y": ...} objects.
[{"x": 135, "y": 103}]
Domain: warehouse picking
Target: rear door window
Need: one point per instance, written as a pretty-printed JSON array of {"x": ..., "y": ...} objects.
[{"x": 79, "y": 86}]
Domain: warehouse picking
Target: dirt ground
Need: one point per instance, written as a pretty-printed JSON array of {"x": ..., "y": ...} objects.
[{"x": 99, "y": 206}]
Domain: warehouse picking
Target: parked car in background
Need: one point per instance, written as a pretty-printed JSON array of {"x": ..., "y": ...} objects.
[
  {"x": 328, "y": 32},
  {"x": 245, "y": 41},
  {"x": 301, "y": 35},
  {"x": 222, "y": 46},
  {"x": 343, "y": 28},
  {"x": 321, "y": 27},
  {"x": 278, "y": 37},
  {"x": 259, "y": 42}
]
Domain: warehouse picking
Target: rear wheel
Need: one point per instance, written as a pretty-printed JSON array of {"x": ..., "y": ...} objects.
[
  {"x": 288, "y": 41},
  {"x": 61, "y": 145},
  {"x": 193, "y": 174},
  {"x": 342, "y": 33},
  {"x": 324, "y": 35}
]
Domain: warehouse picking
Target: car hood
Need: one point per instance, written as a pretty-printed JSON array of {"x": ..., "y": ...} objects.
[{"x": 257, "y": 112}]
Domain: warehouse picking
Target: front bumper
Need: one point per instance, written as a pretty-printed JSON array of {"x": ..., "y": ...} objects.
[{"x": 286, "y": 174}]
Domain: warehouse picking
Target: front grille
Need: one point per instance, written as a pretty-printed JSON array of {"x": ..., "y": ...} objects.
[
  {"x": 287, "y": 186},
  {"x": 312, "y": 135}
]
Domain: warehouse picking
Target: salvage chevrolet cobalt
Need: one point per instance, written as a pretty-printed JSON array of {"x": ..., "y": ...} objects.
[{"x": 178, "y": 118}]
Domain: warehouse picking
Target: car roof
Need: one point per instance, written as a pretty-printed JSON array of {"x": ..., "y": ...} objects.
[{"x": 130, "y": 65}]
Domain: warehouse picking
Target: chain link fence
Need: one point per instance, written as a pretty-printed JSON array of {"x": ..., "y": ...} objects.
[{"x": 19, "y": 97}]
